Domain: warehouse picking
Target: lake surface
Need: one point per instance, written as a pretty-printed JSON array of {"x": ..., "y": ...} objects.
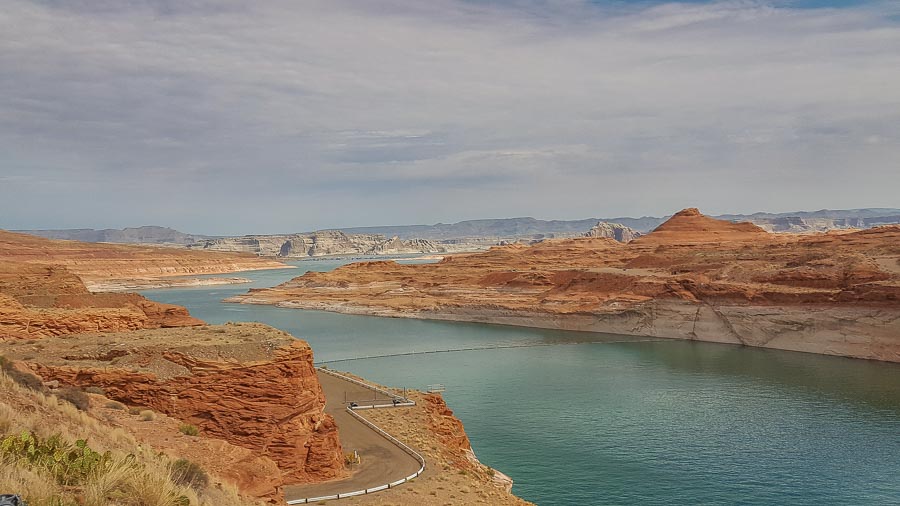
[{"x": 606, "y": 419}]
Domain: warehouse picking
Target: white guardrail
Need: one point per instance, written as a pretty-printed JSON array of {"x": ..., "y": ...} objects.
[
  {"x": 363, "y": 384},
  {"x": 381, "y": 432}
]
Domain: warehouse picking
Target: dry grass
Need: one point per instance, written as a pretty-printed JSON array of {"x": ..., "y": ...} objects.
[{"x": 137, "y": 475}]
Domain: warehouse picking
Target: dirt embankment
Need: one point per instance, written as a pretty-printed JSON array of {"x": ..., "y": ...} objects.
[{"x": 694, "y": 277}]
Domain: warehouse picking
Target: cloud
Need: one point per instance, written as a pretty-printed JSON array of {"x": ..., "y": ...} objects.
[{"x": 340, "y": 113}]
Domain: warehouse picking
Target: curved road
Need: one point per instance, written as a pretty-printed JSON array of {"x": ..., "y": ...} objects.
[{"x": 382, "y": 461}]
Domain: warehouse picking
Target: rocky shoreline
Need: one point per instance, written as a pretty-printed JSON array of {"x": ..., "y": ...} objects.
[{"x": 693, "y": 278}]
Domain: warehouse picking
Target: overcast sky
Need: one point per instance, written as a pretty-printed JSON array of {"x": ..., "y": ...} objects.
[{"x": 276, "y": 116}]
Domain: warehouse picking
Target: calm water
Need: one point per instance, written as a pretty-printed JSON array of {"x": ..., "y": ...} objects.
[{"x": 600, "y": 421}]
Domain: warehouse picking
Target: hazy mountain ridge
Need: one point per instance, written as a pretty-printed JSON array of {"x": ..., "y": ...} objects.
[
  {"x": 527, "y": 226},
  {"x": 148, "y": 234},
  {"x": 486, "y": 232}
]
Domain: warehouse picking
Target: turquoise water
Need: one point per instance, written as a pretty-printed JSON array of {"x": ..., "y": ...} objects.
[{"x": 597, "y": 420}]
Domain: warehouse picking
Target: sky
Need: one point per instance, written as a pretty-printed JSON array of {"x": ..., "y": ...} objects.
[{"x": 235, "y": 117}]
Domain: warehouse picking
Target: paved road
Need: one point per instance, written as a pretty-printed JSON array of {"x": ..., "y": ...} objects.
[{"x": 382, "y": 461}]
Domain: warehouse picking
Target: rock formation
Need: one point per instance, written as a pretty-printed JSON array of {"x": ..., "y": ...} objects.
[
  {"x": 694, "y": 277},
  {"x": 327, "y": 243},
  {"x": 248, "y": 384},
  {"x": 41, "y": 301},
  {"x": 251, "y": 386},
  {"x": 95, "y": 262},
  {"x": 43, "y": 285},
  {"x": 615, "y": 231}
]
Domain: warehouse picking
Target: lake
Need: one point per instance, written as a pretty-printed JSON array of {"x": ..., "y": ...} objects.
[{"x": 606, "y": 419}]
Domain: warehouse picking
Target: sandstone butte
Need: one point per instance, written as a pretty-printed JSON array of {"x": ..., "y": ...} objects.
[{"x": 694, "y": 277}]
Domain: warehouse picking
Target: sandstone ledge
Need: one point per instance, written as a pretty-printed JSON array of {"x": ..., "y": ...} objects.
[{"x": 247, "y": 384}]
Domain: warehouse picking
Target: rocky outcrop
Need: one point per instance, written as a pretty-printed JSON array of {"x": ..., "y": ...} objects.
[
  {"x": 93, "y": 262},
  {"x": 615, "y": 231},
  {"x": 326, "y": 243},
  {"x": 694, "y": 277},
  {"x": 801, "y": 225},
  {"x": 41, "y": 301},
  {"x": 248, "y": 384}
]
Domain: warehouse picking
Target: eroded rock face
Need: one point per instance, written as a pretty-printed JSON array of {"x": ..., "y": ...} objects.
[
  {"x": 694, "y": 277},
  {"x": 615, "y": 231},
  {"x": 92, "y": 261},
  {"x": 322, "y": 243},
  {"x": 252, "y": 386},
  {"x": 41, "y": 301}
]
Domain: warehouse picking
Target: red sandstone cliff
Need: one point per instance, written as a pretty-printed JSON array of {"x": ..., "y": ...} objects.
[
  {"x": 95, "y": 262},
  {"x": 248, "y": 384},
  {"x": 252, "y": 390},
  {"x": 40, "y": 301},
  {"x": 694, "y": 277},
  {"x": 43, "y": 291}
]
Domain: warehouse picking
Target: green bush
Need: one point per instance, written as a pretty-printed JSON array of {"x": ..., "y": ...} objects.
[
  {"x": 95, "y": 390},
  {"x": 70, "y": 465},
  {"x": 189, "y": 430},
  {"x": 189, "y": 474},
  {"x": 148, "y": 415},
  {"x": 75, "y": 396}
]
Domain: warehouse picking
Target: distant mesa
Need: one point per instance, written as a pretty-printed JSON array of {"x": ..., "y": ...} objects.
[{"x": 149, "y": 234}]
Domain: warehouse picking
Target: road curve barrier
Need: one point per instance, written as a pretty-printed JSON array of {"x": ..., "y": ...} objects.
[
  {"x": 366, "y": 385},
  {"x": 414, "y": 454}
]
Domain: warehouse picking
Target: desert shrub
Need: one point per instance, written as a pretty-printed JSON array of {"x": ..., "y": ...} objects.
[
  {"x": 189, "y": 474},
  {"x": 189, "y": 430},
  {"x": 27, "y": 380},
  {"x": 115, "y": 405},
  {"x": 135, "y": 410},
  {"x": 148, "y": 415},
  {"x": 76, "y": 397},
  {"x": 95, "y": 390},
  {"x": 69, "y": 464}
]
